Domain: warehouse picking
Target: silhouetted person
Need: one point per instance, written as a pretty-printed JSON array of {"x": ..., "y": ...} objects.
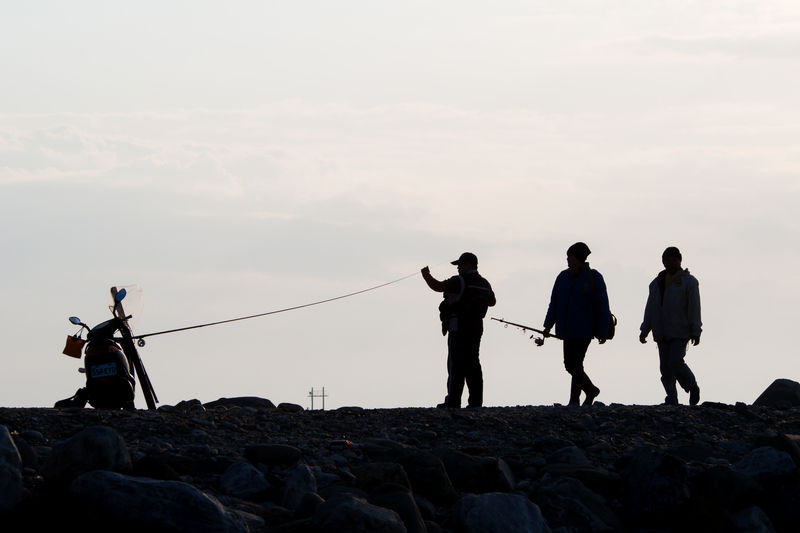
[
  {"x": 466, "y": 298},
  {"x": 579, "y": 310},
  {"x": 672, "y": 313}
]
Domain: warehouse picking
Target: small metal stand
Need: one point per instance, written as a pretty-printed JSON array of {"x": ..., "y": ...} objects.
[{"x": 313, "y": 395}]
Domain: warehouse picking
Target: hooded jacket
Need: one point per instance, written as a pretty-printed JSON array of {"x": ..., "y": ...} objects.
[
  {"x": 572, "y": 305},
  {"x": 673, "y": 311}
]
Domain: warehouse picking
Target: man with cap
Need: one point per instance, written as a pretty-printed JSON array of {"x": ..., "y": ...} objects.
[
  {"x": 466, "y": 299},
  {"x": 672, "y": 313},
  {"x": 579, "y": 310}
]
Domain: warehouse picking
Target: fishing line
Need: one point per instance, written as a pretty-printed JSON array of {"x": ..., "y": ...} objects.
[{"x": 140, "y": 337}]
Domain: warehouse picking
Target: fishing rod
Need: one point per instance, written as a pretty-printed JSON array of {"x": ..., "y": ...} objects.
[
  {"x": 539, "y": 341},
  {"x": 141, "y": 338}
]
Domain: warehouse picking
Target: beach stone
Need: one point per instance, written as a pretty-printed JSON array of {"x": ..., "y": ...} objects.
[
  {"x": 752, "y": 520},
  {"x": 781, "y": 390},
  {"x": 30, "y": 459},
  {"x": 242, "y": 401},
  {"x": 466, "y": 473},
  {"x": 10, "y": 487},
  {"x": 155, "y": 505},
  {"x": 95, "y": 448},
  {"x": 497, "y": 513},
  {"x": 766, "y": 464},
  {"x": 550, "y": 445},
  {"x": 9, "y": 453},
  {"x": 242, "y": 480},
  {"x": 726, "y": 486},
  {"x": 400, "y": 500},
  {"x": 272, "y": 454},
  {"x": 425, "y": 472},
  {"x": 652, "y": 481},
  {"x": 570, "y": 455},
  {"x": 591, "y": 477},
  {"x": 371, "y": 475},
  {"x": 347, "y": 513},
  {"x": 566, "y": 502},
  {"x": 301, "y": 482},
  {"x": 290, "y": 407}
]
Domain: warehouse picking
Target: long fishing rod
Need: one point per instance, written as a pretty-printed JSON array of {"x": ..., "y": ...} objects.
[
  {"x": 142, "y": 337},
  {"x": 538, "y": 340}
]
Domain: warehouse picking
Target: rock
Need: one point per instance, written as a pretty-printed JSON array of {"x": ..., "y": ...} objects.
[
  {"x": 570, "y": 455},
  {"x": 550, "y": 445},
  {"x": 371, "y": 475},
  {"x": 752, "y": 520},
  {"x": 10, "y": 486},
  {"x": 766, "y": 464},
  {"x": 425, "y": 472},
  {"x": 242, "y": 401},
  {"x": 96, "y": 448},
  {"x": 30, "y": 459},
  {"x": 592, "y": 478},
  {"x": 652, "y": 481},
  {"x": 399, "y": 499},
  {"x": 291, "y": 407},
  {"x": 566, "y": 502},
  {"x": 242, "y": 480},
  {"x": 301, "y": 482},
  {"x": 723, "y": 485},
  {"x": 156, "y": 505},
  {"x": 781, "y": 390},
  {"x": 8, "y": 449},
  {"x": 348, "y": 513},
  {"x": 496, "y": 513},
  {"x": 309, "y": 504},
  {"x": 272, "y": 454}
]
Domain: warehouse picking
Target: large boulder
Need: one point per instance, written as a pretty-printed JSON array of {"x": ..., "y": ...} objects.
[
  {"x": 782, "y": 392},
  {"x": 652, "y": 481},
  {"x": 154, "y": 505},
  {"x": 566, "y": 502},
  {"x": 242, "y": 401},
  {"x": 347, "y": 513},
  {"x": 497, "y": 513},
  {"x": 95, "y": 448}
]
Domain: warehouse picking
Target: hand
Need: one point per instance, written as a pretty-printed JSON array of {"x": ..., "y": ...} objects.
[
  {"x": 695, "y": 340},
  {"x": 546, "y": 332},
  {"x": 643, "y": 337},
  {"x": 426, "y": 271},
  {"x": 601, "y": 341}
]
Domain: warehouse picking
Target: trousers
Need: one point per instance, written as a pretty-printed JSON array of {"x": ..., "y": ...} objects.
[
  {"x": 574, "y": 354},
  {"x": 674, "y": 369},
  {"x": 463, "y": 365}
]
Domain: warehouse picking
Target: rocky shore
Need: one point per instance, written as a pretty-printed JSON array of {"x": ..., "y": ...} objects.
[{"x": 243, "y": 464}]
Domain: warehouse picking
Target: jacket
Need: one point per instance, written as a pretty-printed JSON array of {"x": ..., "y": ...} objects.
[
  {"x": 673, "y": 311},
  {"x": 467, "y": 298},
  {"x": 572, "y": 305}
]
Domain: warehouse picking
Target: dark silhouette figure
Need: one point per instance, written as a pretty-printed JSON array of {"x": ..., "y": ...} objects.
[
  {"x": 672, "y": 313},
  {"x": 580, "y": 312},
  {"x": 466, "y": 299}
]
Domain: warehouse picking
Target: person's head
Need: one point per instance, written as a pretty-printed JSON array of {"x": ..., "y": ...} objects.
[
  {"x": 576, "y": 255},
  {"x": 671, "y": 258},
  {"x": 468, "y": 261}
]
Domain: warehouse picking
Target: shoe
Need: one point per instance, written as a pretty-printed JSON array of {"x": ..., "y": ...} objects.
[
  {"x": 591, "y": 396},
  {"x": 574, "y": 403},
  {"x": 447, "y": 406},
  {"x": 694, "y": 395},
  {"x": 79, "y": 400},
  {"x": 670, "y": 401}
]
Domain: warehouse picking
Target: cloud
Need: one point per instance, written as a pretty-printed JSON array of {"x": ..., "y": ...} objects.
[{"x": 779, "y": 45}]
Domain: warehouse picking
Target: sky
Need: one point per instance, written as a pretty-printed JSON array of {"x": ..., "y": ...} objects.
[{"x": 240, "y": 158}]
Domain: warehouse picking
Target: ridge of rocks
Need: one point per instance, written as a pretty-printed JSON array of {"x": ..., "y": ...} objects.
[{"x": 245, "y": 465}]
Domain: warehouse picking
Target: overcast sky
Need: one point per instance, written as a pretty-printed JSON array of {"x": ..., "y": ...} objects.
[{"x": 235, "y": 159}]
